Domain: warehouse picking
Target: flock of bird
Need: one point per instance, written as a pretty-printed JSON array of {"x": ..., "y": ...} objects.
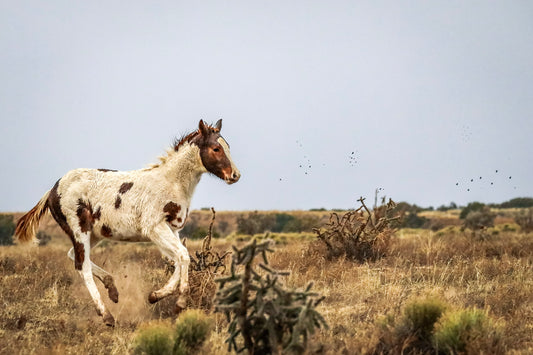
[
  {"x": 473, "y": 182},
  {"x": 305, "y": 166}
]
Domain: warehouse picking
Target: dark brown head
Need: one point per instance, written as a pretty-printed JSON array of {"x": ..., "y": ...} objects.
[{"x": 214, "y": 152}]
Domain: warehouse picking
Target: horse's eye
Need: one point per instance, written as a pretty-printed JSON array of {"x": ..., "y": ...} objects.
[{"x": 216, "y": 150}]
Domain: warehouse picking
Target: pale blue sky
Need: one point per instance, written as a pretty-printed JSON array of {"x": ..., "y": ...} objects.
[{"x": 426, "y": 94}]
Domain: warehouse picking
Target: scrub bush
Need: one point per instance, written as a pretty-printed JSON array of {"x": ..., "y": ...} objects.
[
  {"x": 413, "y": 332},
  {"x": 154, "y": 338},
  {"x": 470, "y": 329},
  {"x": 192, "y": 329}
]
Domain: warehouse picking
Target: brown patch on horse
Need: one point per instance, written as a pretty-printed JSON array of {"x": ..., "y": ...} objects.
[
  {"x": 118, "y": 202},
  {"x": 79, "y": 255},
  {"x": 125, "y": 187},
  {"x": 171, "y": 209},
  {"x": 106, "y": 231},
  {"x": 54, "y": 203},
  {"x": 107, "y": 170},
  {"x": 85, "y": 216}
]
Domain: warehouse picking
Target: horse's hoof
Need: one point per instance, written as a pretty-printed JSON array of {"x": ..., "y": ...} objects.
[
  {"x": 111, "y": 289},
  {"x": 109, "y": 320},
  {"x": 113, "y": 294},
  {"x": 179, "y": 309},
  {"x": 153, "y": 298},
  {"x": 181, "y": 304}
]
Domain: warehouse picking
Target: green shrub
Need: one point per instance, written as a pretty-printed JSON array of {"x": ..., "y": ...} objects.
[
  {"x": 420, "y": 316},
  {"x": 7, "y": 228},
  {"x": 471, "y": 207},
  {"x": 154, "y": 338},
  {"x": 465, "y": 330},
  {"x": 255, "y": 222},
  {"x": 413, "y": 220},
  {"x": 413, "y": 332},
  {"x": 192, "y": 329},
  {"x": 157, "y": 338},
  {"x": 479, "y": 219}
]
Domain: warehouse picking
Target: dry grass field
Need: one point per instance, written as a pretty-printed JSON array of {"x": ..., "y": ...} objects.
[{"x": 46, "y": 308}]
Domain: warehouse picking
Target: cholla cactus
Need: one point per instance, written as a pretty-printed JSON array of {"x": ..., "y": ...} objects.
[{"x": 261, "y": 311}]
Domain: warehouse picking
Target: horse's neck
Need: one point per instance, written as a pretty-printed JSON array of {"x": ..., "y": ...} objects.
[{"x": 182, "y": 169}]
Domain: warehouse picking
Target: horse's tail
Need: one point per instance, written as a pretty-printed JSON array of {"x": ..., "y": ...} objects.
[{"x": 27, "y": 224}]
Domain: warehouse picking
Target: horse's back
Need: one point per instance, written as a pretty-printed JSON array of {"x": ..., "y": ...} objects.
[{"x": 92, "y": 183}]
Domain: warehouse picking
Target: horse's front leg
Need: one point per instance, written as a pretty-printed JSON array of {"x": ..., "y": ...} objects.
[{"x": 171, "y": 247}]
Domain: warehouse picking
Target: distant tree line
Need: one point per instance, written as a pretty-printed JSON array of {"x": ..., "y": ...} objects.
[
  {"x": 255, "y": 222},
  {"x": 260, "y": 222},
  {"x": 475, "y": 215},
  {"x": 519, "y": 202}
]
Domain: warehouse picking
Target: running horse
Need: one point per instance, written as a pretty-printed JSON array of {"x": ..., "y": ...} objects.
[{"x": 150, "y": 204}]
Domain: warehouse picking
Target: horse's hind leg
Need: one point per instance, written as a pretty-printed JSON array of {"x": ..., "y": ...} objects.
[
  {"x": 101, "y": 274},
  {"x": 82, "y": 263},
  {"x": 172, "y": 248}
]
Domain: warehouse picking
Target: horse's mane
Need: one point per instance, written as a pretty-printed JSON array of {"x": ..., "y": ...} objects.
[
  {"x": 184, "y": 138},
  {"x": 178, "y": 142}
]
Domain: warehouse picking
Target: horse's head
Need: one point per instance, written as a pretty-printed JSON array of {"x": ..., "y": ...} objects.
[{"x": 214, "y": 152}]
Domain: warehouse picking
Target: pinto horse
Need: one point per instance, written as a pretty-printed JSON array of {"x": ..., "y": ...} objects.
[{"x": 150, "y": 204}]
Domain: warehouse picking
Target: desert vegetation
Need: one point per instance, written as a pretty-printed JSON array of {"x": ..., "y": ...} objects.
[
  {"x": 264, "y": 317},
  {"x": 431, "y": 290}
]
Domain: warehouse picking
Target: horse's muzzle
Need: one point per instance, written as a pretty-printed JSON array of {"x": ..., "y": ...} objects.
[{"x": 233, "y": 178}]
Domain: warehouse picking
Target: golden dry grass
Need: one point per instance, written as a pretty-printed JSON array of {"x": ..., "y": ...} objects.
[{"x": 47, "y": 309}]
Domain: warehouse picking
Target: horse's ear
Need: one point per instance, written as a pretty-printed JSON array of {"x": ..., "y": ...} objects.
[
  {"x": 203, "y": 128},
  {"x": 218, "y": 125}
]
